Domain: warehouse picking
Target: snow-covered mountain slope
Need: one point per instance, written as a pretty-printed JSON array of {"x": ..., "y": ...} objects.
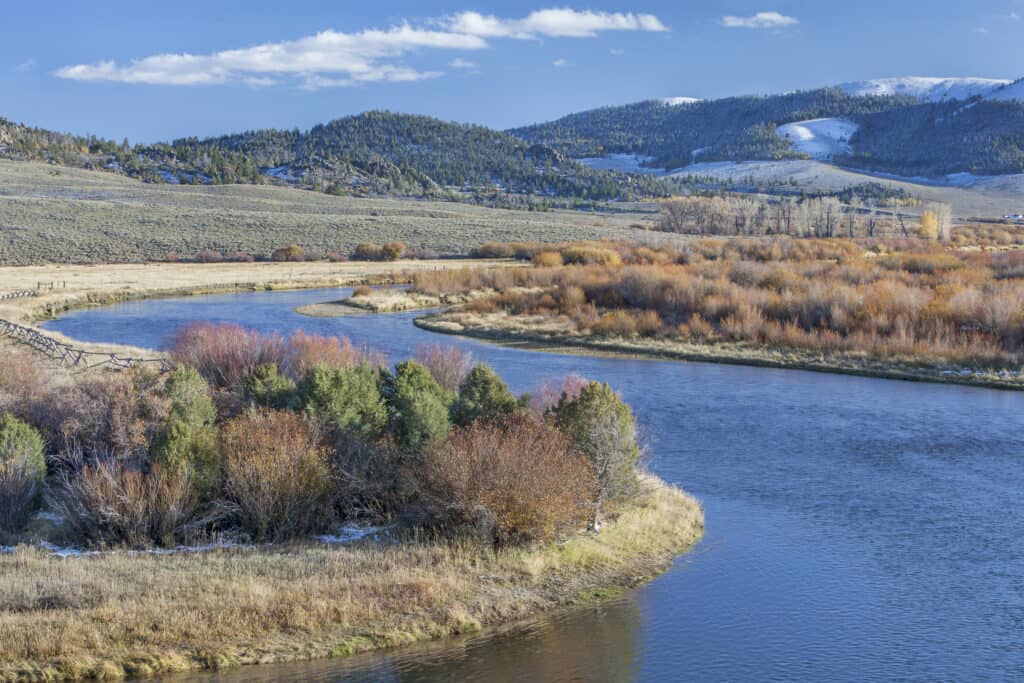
[
  {"x": 819, "y": 138},
  {"x": 1014, "y": 91},
  {"x": 928, "y": 89}
]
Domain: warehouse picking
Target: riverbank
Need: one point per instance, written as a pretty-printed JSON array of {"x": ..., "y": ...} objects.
[
  {"x": 63, "y": 288},
  {"x": 541, "y": 334},
  {"x": 118, "y": 614}
]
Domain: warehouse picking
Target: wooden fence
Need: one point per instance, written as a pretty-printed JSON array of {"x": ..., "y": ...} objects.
[
  {"x": 69, "y": 356},
  {"x": 18, "y": 295}
]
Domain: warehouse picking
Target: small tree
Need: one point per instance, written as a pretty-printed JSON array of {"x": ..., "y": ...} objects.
[
  {"x": 929, "y": 229},
  {"x": 419, "y": 406},
  {"x": 602, "y": 426},
  {"x": 189, "y": 438},
  {"x": 346, "y": 400},
  {"x": 482, "y": 395},
  {"x": 22, "y": 471},
  {"x": 268, "y": 387}
]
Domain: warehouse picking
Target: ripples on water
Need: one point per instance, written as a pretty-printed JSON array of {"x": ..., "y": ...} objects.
[{"x": 857, "y": 529}]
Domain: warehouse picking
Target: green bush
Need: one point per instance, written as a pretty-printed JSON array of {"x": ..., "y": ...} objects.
[
  {"x": 268, "y": 387},
  {"x": 419, "y": 405},
  {"x": 22, "y": 472},
  {"x": 189, "y": 436},
  {"x": 346, "y": 400},
  {"x": 602, "y": 426},
  {"x": 482, "y": 395}
]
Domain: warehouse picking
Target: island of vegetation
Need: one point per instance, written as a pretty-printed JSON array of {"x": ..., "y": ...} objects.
[
  {"x": 274, "y": 498},
  {"x": 944, "y": 304}
]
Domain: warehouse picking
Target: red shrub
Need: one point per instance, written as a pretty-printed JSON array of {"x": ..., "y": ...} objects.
[{"x": 225, "y": 354}]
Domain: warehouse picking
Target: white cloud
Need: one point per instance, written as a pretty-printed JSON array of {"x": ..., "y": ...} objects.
[
  {"x": 27, "y": 65},
  {"x": 552, "y": 23},
  {"x": 560, "y": 63},
  {"x": 333, "y": 59},
  {"x": 760, "y": 20},
  {"x": 618, "y": 52},
  {"x": 460, "y": 63}
]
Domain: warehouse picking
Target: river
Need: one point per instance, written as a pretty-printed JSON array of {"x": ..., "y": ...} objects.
[{"x": 857, "y": 529}]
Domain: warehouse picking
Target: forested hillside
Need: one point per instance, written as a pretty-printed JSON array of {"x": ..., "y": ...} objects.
[
  {"x": 376, "y": 153},
  {"x": 897, "y": 134}
]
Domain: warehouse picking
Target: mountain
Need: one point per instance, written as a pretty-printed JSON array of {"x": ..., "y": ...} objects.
[
  {"x": 372, "y": 153},
  {"x": 926, "y": 89},
  {"x": 910, "y": 127},
  {"x": 1012, "y": 92}
]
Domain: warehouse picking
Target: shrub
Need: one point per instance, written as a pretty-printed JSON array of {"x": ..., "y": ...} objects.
[
  {"x": 368, "y": 252},
  {"x": 275, "y": 475},
  {"x": 209, "y": 256},
  {"x": 392, "y": 251},
  {"x": 111, "y": 502},
  {"x": 449, "y": 365},
  {"x": 292, "y": 252},
  {"x": 371, "y": 480},
  {"x": 346, "y": 400},
  {"x": 482, "y": 395},
  {"x": 512, "y": 481},
  {"x": 267, "y": 387},
  {"x": 551, "y": 393},
  {"x": 419, "y": 406},
  {"x": 307, "y": 351},
  {"x": 362, "y": 290},
  {"x": 189, "y": 437},
  {"x": 225, "y": 354},
  {"x": 601, "y": 425},
  {"x": 22, "y": 380},
  {"x": 22, "y": 471},
  {"x": 547, "y": 259}
]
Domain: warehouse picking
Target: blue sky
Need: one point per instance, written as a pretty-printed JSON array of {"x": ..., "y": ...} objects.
[{"x": 155, "y": 71}]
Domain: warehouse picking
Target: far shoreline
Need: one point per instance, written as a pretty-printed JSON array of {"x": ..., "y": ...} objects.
[{"x": 702, "y": 353}]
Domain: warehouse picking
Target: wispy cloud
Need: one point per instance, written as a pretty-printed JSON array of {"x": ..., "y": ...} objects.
[
  {"x": 552, "y": 23},
  {"x": 27, "y": 65},
  {"x": 617, "y": 52},
  {"x": 760, "y": 20},
  {"x": 560, "y": 63},
  {"x": 334, "y": 59}
]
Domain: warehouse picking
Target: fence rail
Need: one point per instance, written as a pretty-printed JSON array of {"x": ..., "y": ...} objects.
[
  {"x": 18, "y": 295},
  {"x": 70, "y": 356}
]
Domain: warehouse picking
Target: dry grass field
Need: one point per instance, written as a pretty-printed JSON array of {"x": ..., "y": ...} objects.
[{"x": 60, "y": 215}]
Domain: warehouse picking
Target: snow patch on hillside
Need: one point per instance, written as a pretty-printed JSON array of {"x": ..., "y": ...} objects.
[
  {"x": 622, "y": 163},
  {"x": 819, "y": 138},
  {"x": 1013, "y": 91},
  {"x": 928, "y": 89},
  {"x": 676, "y": 101}
]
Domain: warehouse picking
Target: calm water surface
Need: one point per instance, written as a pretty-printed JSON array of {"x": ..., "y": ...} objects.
[{"x": 857, "y": 529}]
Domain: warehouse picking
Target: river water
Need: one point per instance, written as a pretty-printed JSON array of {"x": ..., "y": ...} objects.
[{"x": 857, "y": 529}]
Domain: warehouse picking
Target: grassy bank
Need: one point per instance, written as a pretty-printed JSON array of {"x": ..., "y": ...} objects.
[
  {"x": 119, "y": 615},
  {"x": 541, "y": 335}
]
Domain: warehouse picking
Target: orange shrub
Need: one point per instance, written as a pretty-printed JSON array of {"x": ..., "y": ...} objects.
[
  {"x": 513, "y": 481},
  {"x": 275, "y": 475}
]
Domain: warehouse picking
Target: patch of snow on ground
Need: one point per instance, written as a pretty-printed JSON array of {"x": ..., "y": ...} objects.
[
  {"x": 819, "y": 138},
  {"x": 928, "y": 89},
  {"x": 623, "y": 163},
  {"x": 281, "y": 173},
  {"x": 676, "y": 101},
  {"x": 350, "y": 533}
]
